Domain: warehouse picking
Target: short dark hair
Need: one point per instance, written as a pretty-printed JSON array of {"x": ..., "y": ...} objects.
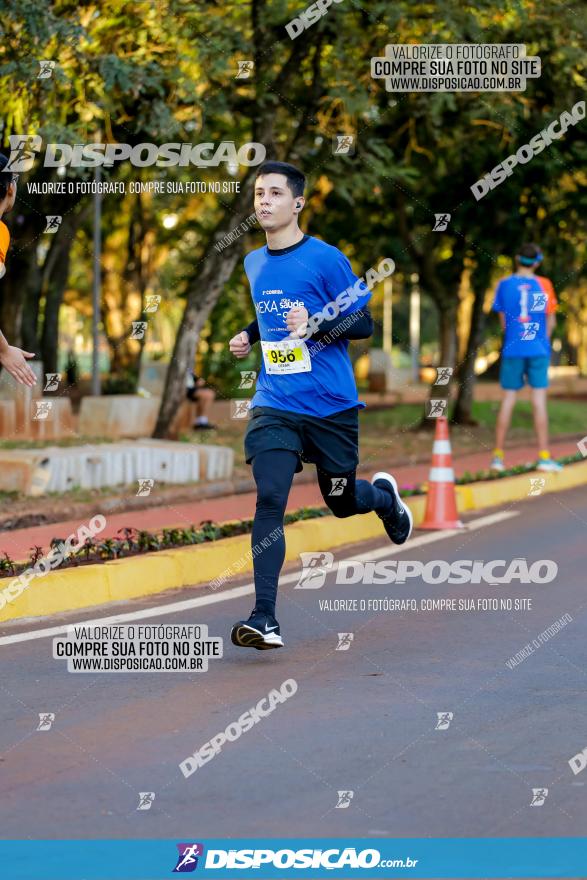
[
  {"x": 296, "y": 180},
  {"x": 6, "y": 177},
  {"x": 528, "y": 254}
]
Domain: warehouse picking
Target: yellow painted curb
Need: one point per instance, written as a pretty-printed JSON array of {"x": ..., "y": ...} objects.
[
  {"x": 159, "y": 572},
  {"x": 494, "y": 493}
]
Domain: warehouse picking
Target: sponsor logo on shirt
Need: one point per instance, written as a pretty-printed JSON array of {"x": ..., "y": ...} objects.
[{"x": 271, "y": 306}]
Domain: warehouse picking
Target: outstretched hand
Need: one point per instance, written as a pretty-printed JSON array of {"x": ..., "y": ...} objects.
[{"x": 14, "y": 360}]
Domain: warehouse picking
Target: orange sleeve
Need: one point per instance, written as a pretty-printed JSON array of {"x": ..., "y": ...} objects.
[
  {"x": 4, "y": 241},
  {"x": 552, "y": 303}
]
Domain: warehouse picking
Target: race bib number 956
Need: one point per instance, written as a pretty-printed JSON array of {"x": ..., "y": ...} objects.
[{"x": 287, "y": 356}]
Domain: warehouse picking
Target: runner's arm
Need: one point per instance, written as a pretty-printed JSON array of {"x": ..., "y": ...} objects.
[
  {"x": 357, "y": 325},
  {"x": 551, "y": 305},
  {"x": 498, "y": 305},
  {"x": 252, "y": 330}
]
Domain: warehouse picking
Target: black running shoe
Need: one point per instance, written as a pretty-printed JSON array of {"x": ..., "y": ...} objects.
[
  {"x": 398, "y": 524},
  {"x": 260, "y": 631}
]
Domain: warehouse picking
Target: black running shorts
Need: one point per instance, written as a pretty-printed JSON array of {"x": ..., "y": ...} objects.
[{"x": 332, "y": 442}]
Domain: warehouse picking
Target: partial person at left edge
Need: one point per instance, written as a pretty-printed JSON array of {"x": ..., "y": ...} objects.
[{"x": 13, "y": 359}]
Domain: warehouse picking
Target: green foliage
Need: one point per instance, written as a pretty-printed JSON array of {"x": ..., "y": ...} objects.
[
  {"x": 132, "y": 541},
  {"x": 482, "y": 476},
  {"x": 125, "y": 383},
  {"x": 131, "y": 71}
]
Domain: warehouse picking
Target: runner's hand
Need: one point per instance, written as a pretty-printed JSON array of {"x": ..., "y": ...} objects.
[
  {"x": 239, "y": 345},
  {"x": 13, "y": 359},
  {"x": 296, "y": 321}
]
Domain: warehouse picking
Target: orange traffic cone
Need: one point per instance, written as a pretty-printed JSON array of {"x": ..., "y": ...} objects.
[{"x": 441, "y": 504}]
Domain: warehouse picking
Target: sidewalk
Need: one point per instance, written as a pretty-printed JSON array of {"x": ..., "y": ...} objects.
[{"x": 18, "y": 543}]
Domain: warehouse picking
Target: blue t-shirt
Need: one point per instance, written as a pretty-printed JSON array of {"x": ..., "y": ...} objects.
[
  {"x": 310, "y": 275},
  {"x": 525, "y": 304}
]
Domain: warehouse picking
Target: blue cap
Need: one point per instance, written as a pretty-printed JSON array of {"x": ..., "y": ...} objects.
[{"x": 529, "y": 261}]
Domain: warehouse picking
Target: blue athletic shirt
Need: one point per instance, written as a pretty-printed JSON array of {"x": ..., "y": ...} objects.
[
  {"x": 310, "y": 275},
  {"x": 525, "y": 303}
]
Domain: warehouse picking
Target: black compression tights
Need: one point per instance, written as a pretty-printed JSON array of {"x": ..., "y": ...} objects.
[{"x": 273, "y": 472}]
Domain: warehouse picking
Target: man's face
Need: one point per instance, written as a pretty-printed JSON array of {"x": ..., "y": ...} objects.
[{"x": 275, "y": 205}]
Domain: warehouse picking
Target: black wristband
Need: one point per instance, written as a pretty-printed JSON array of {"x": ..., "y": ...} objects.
[{"x": 253, "y": 331}]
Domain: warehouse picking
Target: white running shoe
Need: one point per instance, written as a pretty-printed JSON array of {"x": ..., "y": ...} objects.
[{"x": 549, "y": 465}]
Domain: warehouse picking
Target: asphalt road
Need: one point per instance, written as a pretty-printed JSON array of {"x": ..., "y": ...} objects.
[{"x": 362, "y": 720}]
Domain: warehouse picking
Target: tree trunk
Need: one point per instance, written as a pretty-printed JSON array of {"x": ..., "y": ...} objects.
[
  {"x": 448, "y": 335},
  {"x": 480, "y": 279},
  {"x": 448, "y": 341},
  {"x": 462, "y": 414},
  {"x": 56, "y": 274},
  {"x": 203, "y": 295},
  {"x": 29, "y": 295},
  {"x": 124, "y": 288},
  {"x": 30, "y": 311},
  {"x": 53, "y": 298},
  {"x": 138, "y": 273}
]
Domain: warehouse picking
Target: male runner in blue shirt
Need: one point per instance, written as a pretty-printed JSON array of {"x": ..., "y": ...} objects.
[
  {"x": 527, "y": 305},
  {"x": 306, "y": 405}
]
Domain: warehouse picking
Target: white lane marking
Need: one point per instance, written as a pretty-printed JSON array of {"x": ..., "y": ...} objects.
[
  {"x": 430, "y": 537},
  {"x": 172, "y": 608},
  {"x": 248, "y": 589}
]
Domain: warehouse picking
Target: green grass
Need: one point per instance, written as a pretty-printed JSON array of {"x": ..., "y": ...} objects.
[
  {"x": 565, "y": 416},
  {"x": 64, "y": 441},
  {"x": 402, "y": 415},
  {"x": 9, "y": 496},
  {"x": 396, "y": 435}
]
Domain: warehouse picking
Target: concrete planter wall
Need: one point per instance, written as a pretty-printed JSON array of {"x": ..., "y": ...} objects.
[
  {"x": 118, "y": 415},
  {"x": 53, "y": 469}
]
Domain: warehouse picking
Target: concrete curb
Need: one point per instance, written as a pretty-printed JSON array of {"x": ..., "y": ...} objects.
[
  {"x": 148, "y": 574},
  {"x": 492, "y": 493}
]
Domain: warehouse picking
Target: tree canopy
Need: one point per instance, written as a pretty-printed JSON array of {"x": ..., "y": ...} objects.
[{"x": 168, "y": 71}]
